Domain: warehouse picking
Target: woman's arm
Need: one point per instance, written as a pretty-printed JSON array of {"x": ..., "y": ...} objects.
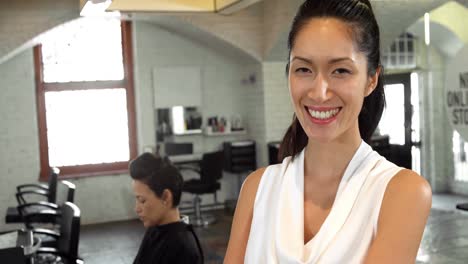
[
  {"x": 403, "y": 215},
  {"x": 242, "y": 219}
]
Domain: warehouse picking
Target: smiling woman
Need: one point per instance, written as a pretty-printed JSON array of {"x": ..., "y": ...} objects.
[{"x": 333, "y": 199}]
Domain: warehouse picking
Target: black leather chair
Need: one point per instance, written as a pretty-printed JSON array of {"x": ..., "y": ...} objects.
[
  {"x": 17, "y": 214},
  {"x": 67, "y": 241},
  {"x": 49, "y": 192},
  {"x": 210, "y": 171}
]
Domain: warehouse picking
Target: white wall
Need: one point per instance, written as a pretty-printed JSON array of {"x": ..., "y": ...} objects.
[
  {"x": 436, "y": 132},
  {"x": 23, "y": 20},
  {"x": 278, "y": 106},
  {"x": 19, "y": 146}
]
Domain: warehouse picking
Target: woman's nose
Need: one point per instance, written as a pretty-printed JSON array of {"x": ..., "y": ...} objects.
[
  {"x": 319, "y": 89},
  {"x": 137, "y": 208}
]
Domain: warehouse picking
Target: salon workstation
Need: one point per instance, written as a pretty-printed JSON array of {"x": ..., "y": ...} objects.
[{"x": 115, "y": 123}]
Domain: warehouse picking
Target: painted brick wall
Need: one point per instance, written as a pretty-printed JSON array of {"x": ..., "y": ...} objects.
[
  {"x": 436, "y": 133},
  {"x": 255, "y": 113},
  {"x": 278, "y": 107},
  {"x": 23, "y": 20},
  {"x": 19, "y": 155},
  {"x": 242, "y": 29}
]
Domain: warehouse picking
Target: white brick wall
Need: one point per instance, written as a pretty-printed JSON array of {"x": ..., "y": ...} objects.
[
  {"x": 23, "y": 20},
  {"x": 278, "y": 107},
  {"x": 19, "y": 158},
  {"x": 438, "y": 145},
  {"x": 255, "y": 113},
  {"x": 243, "y": 29}
]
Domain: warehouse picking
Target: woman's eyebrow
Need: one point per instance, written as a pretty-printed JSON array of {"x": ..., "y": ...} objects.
[
  {"x": 331, "y": 61},
  {"x": 302, "y": 59},
  {"x": 336, "y": 60}
]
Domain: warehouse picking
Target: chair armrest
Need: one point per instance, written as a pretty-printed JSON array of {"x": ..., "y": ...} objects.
[
  {"x": 71, "y": 191},
  {"x": 44, "y": 216},
  {"x": 69, "y": 184},
  {"x": 33, "y": 186},
  {"x": 47, "y": 232},
  {"x": 40, "y": 204},
  {"x": 20, "y": 195}
]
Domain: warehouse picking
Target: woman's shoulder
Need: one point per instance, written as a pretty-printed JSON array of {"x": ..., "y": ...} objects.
[
  {"x": 410, "y": 183},
  {"x": 182, "y": 237},
  {"x": 268, "y": 175},
  {"x": 407, "y": 191},
  {"x": 404, "y": 212},
  {"x": 251, "y": 183},
  {"x": 182, "y": 245}
]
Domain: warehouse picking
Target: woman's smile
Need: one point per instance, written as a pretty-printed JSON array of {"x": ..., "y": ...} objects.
[{"x": 322, "y": 115}]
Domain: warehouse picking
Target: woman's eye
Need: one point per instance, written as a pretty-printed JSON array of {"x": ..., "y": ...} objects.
[
  {"x": 342, "y": 71},
  {"x": 303, "y": 70}
]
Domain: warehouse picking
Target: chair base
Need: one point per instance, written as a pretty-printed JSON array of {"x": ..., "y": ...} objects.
[{"x": 204, "y": 220}]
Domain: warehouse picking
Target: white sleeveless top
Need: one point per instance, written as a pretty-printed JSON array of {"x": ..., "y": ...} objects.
[{"x": 277, "y": 230}]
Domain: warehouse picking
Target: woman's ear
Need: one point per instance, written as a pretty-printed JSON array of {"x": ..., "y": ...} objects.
[
  {"x": 372, "y": 82},
  {"x": 167, "y": 197}
]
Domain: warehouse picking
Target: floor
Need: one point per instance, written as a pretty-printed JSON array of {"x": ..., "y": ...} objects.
[{"x": 445, "y": 238}]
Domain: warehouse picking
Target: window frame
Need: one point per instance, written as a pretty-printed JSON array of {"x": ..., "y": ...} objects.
[{"x": 127, "y": 83}]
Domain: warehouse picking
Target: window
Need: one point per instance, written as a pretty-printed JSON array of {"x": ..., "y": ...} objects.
[
  {"x": 401, "y": 54},
  {"x": 85, "y": 98}
]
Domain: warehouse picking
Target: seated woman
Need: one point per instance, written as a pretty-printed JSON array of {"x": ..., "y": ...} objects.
[{"x": 157, "y": 186}]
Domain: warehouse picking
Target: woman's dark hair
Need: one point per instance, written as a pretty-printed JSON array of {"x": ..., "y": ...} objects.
[
  {"x": 159, "y": 174},
  {"x": 364, "y": 29}
]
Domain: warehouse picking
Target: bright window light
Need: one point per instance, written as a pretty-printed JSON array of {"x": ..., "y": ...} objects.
[
  {"x": 393, "y": 117},
  {"x": 68, "y": 50},
  {"x": 87, "y": 127}
]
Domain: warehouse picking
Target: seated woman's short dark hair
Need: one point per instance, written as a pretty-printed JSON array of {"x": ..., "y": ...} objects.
[{"x": 159, "y": 174}]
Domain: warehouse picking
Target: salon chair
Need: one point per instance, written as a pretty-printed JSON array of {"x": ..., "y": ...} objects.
[
  {"x": 66, "y": 247},
  {"x": 210, "y": 171},
  {"x": 16, "y": 214},
  {"x": 48, "y": 192}
]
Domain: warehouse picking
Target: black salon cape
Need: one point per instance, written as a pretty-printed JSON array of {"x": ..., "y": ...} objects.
[{"x": 170, "y": 243}]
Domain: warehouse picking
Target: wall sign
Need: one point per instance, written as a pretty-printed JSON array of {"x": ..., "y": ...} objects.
[
  {"x": 456, "y": 93},
  {"x": 457, "y": 102}
]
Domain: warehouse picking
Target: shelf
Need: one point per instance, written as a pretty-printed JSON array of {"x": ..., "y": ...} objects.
[
  {"x": 190, "y": 132},
  {"x": 231, "y": 133}
]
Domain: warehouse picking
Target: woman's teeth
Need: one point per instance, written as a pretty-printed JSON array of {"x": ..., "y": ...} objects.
[{"x": 323, "y": 114}]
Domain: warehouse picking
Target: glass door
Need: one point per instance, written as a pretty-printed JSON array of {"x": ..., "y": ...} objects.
[{"x": 400, "y": 120}]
